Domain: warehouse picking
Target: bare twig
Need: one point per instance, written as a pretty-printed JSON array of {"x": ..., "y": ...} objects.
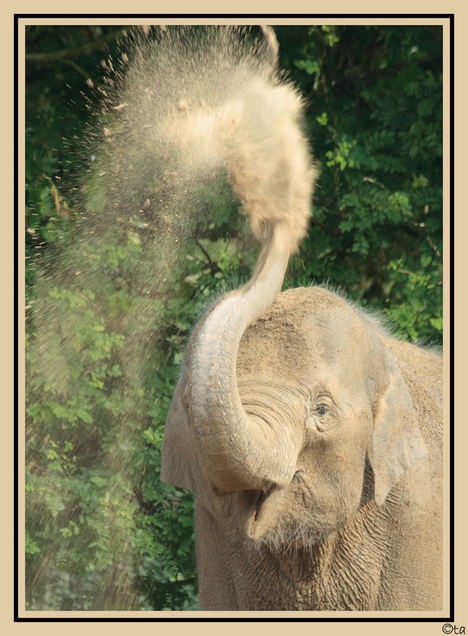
[
  {"x": 434, "y": 247},
  {"x": 64, "y": 54},
  {"x": 205, "y": 253},
  {"x": 270, "y": 37}
]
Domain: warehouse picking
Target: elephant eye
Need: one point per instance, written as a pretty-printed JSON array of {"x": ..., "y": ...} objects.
[
  {"x": 322, "y": 410},
  {"x": 323, "y": 417}
]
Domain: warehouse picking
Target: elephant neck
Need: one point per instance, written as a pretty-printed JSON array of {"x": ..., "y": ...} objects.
[{"x": 317, "y": 577}]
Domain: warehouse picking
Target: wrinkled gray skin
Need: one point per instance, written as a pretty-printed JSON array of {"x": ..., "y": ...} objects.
[{"x": 312, "y": 441}]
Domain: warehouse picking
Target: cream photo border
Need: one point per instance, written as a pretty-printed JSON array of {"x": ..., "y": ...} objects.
[{"x": 238, "y": 14}]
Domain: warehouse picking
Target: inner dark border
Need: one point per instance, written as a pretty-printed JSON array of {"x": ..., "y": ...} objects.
[{"x": 178, "y": 18}]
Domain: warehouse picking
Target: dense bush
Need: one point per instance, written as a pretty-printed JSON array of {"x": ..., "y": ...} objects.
[{"x": 111, "y": 296}]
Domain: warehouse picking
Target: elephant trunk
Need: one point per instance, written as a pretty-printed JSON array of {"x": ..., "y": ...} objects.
[{"x": 238, "y": 451}]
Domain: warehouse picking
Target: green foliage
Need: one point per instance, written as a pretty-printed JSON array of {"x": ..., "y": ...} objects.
[
  {"x": 111, "y": 298},
  {"x": 111, "y": 536},
  {"x": 375, "y": 99}
]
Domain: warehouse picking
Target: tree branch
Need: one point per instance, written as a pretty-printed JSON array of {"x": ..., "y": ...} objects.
[{"x": 65, "y": 54}]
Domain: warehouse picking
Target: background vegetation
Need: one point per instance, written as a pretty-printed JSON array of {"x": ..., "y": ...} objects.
[{"x": 107, "y": 320}]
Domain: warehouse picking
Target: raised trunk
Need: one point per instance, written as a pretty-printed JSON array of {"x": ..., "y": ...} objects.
[{"x": 238, "y": 452}]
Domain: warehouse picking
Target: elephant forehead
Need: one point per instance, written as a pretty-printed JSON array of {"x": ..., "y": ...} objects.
[
  {"x": 306, "y": 335},
  {"x": 325, "y": 318},
  {"x": 272, "y": 348},
  {"x": 335, "y": 335},
  {"x": 336, "y": 353}
]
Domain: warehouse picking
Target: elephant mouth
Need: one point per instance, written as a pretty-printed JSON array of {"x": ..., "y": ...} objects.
[
  {"x": 264, "y": 509},
  {"x": 260, "y": 500}
]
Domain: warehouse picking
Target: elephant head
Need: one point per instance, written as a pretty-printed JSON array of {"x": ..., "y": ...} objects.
[{"x": 282, "y": 417}]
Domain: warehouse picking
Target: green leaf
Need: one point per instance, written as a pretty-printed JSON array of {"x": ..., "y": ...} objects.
[
  {"x": 322, "y": 119},
  {"x": 311, "y": 67}
]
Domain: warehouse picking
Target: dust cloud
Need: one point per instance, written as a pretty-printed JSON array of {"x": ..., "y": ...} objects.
[{"x": 183, "y": 116}]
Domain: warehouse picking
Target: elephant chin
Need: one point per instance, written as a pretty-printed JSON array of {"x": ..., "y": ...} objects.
[{"x": 268, "y": 519}]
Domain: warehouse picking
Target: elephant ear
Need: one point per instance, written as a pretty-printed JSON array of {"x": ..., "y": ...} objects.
[
  {"x": 179, "y": 466},
  {"x": 397, "y": 442}
]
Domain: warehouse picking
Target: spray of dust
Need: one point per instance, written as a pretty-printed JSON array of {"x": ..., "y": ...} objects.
[
  {"x": 184, "y": 112},
  {"x": 215, "y": 100}
]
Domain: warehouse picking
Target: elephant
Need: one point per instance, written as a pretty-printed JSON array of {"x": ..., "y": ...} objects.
[
  {"x": 310, "y": 436},
  {"x": 312, "y": 440}
]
